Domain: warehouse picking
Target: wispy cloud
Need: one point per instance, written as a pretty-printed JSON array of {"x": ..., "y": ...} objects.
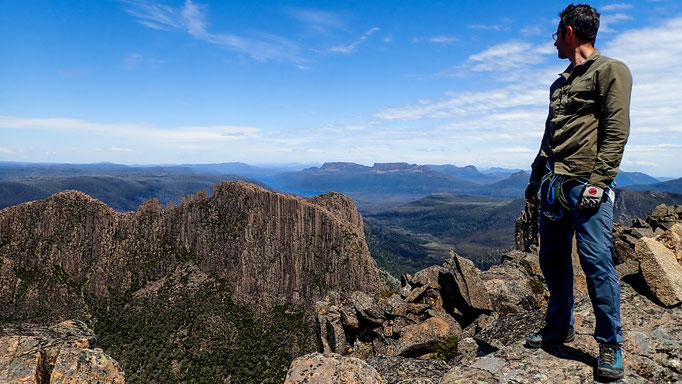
[
  {"x": 191, "y": 19},
  {"x": 443, "y": 39},
  {"x": 350, "y": 48},
  {"x": 118, "y": 149},
  {"x": 134, "y": 132},
  {"x": 6, "y": 150},
  {"x": 502, "y": 58},
  {"x": 508, "y": 120},
  {"x": 606, "y": 21},
  {"x": 615, "y": 7},
  {"x": 319, "y": 20},
  {"x": 489, "y": 27}
]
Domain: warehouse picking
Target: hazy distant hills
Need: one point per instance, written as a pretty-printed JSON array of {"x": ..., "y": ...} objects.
[
  {"x": 121, "y": 192},
  {"x": 666, "y": 186},
  {"x": 626, "y": 179},
  {"x": 380, "y": 178}
]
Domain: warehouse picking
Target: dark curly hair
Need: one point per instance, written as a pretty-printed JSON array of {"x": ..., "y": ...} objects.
[{"x": 583, "y": 18}]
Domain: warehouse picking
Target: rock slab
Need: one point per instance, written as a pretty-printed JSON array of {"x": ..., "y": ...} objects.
[
  {"x": 61, "y": 354},
  {"x": 661, "y": 271},
  {"x": 331, "y": 368}
]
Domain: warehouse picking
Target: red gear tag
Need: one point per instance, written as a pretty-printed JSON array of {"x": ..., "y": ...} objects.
[{"x": 592, "y": 191}]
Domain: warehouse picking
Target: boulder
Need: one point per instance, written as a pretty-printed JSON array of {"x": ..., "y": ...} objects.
[
  {"x": 366, "y": 307},
  {"x": 661, "y": 271},
  {"x": 335, "y": 333},
  {"x": 672, "y": 239},
  {"x": 61, "y": 354},
  {"x": 80, "y": 365},
  {"x": 399, "y": 369},
  {"x": 427, "y": 277},
  {"x": 468, "y": 283},
  {"x": 330, "y": 368},
  {"x": 321, "y": 309},
  {"x": 422, "y": 338},
  {"x": 467, "y": 348},
  {"x": 20, "y": 360}
]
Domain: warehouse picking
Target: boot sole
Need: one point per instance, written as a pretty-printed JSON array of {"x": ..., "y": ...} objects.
[
  {"x": 610, "y": 373},
  {"x": 568, "y": 339}
]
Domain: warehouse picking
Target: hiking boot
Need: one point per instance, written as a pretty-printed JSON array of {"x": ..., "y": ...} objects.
[
  {"x": 610, "y": 363},
  {"x": 549, "y": 336}
]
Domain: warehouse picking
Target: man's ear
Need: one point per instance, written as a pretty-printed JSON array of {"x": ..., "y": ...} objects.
[{"x": 569, "y": 31}]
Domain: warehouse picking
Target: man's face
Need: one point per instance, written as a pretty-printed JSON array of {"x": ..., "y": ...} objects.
[{"x": 560, "y": 44}]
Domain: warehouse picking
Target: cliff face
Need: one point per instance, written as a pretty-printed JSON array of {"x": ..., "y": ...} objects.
[{"x": 59, "y": 254}]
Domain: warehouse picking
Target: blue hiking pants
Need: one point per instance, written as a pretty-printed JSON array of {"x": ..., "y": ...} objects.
[{"x": 560, "y": 218}]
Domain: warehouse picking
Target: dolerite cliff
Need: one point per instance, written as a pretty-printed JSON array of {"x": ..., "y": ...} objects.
[{"x": 258, "y": 256}]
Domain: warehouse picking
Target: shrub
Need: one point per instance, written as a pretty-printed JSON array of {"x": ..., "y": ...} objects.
[{"x": 448, "y": 349}]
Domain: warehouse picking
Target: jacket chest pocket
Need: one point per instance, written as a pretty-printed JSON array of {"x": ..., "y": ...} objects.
[{"x": 580, "y": 98}]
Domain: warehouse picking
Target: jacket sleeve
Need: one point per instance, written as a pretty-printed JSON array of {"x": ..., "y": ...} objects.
[
  {"x": 615, "y": 86},
  {"x": 538, "y": 166}
]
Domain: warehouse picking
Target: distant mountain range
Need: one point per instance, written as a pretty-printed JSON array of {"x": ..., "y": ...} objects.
[
  {"x": 380, "y": 183},
  {"x": 120, "y": 191}
]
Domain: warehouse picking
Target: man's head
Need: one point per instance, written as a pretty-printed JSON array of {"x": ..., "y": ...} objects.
[{"x": 583, "y": 20}]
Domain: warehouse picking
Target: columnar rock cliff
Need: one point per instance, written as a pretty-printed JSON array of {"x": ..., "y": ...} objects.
[{"x": 271, "y": 248}]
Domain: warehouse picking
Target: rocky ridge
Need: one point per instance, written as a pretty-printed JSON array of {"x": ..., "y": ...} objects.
[
  {"x": 491, "y": 312},
  {"x": 271, "y": 248},
  {"x": 220, "y": 287}
]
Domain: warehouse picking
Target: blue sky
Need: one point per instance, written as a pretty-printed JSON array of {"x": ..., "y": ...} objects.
[{"x": 192, "y": 81}]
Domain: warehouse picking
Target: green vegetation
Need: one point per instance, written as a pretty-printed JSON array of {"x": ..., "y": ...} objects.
[
  {"x": 448, "y": 349},
  {"x": 63, "y": 277},
  {"x": 536, "y": 285},
  {"x": 199, "y": 335},
  {"x": 413, "y": 236},
  {"x": 26, "y": 278},
  {"x": 389, "y": 293}
]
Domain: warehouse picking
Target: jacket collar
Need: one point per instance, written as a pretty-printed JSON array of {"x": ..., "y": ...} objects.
[{"x": 592, "y": 57}]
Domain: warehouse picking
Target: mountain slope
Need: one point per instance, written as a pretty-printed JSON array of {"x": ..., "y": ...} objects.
[{"x": 213, "y": 277}]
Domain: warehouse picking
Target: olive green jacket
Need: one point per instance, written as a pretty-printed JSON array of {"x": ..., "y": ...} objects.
[{"x": 588, "y": 123}]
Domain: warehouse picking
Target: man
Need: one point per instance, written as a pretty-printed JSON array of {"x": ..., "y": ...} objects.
[{"x": 571, "y": 179}]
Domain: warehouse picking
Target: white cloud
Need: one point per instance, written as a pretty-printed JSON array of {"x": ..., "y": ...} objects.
[
  {"x": 614, "y": 7},
  {"x": 606, "y": 21},
  {"x": 350, "y": 48},
  {"x": 508, "y": 120},
  {"x": 6, "y": 150},
  {"x": 504, "y": 57},
  {"x": 318, "y": 20},
  {"x": 443, "y": 39},
  {"x": 134, "y": 132},
  {"x": 488, "y": 27},
  {"x": 118, "y": 149},
  {"x": 191, "y": 18},
  {"x": 132, "y": 60}
]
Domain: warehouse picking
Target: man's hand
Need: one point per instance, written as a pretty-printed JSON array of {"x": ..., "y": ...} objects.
[
  {"x": 532, "y": 193},
  {"x": 590, "y": 197}
]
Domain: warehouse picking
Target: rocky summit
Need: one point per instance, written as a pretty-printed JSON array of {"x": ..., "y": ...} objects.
[
  {"x": 456, "y": 324},
  {"x": 220, "y": 286}
]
